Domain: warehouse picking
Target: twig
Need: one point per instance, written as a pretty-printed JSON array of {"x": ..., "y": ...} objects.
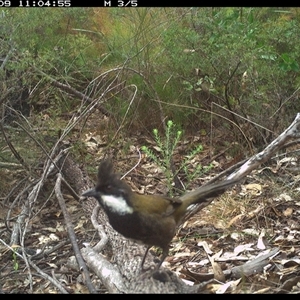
[
  {"x": 31, "y": 199},
  {"x": 13, "y": 149},
  {"x": 47, "y": 277},
  {"x": 226, "y": 93},
  {"x": 47, "y": 252},
  {"x": 54, "y": 281},
  {"x": 72, "y": 235},
  {"x": 103, "y": 236},
  {"x": 109, "y": 275},
  {"x": 70, "y": 189},
  {"x": 140, "y": 158},
  {"x": 124, "y": 118},
  {"x": 292, "y": 132},
  {"x": 79, "y": 95}
]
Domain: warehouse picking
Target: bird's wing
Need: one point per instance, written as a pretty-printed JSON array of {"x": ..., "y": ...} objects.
[{"x": 156, "y": 204}]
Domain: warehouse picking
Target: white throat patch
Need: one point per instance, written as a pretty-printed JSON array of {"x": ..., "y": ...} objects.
[{"x": 117, "y": 204}]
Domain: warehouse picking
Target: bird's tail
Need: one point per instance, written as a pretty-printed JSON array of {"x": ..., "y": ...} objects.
[{"x": 206, "y": 192}]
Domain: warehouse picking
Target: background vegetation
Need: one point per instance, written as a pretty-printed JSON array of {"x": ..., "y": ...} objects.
[
  {"x": 229, "y": 75},
  {"x": 233, "y": 69}
]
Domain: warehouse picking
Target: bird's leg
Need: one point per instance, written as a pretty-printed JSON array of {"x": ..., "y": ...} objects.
[
  {"x": 163, "y": 257},
  {"x": 144, "y": 258}
]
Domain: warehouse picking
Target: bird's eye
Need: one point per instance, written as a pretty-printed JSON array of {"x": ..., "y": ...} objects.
[{"x": 123, "y": 193}]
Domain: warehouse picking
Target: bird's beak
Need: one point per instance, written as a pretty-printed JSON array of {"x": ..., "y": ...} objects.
[{"x": 89, "y": 193}]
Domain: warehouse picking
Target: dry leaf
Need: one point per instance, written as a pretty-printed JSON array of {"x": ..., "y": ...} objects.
[
  {"x": 241, "y": 248},
  {"x": 218, "y": 273},
  {"x": 253, "y": 189},
  {"x": 235, "y": 219},
  {"x": 231, "y": 284},
  {"x": 288, "y": 212},
  {"x": 260, "y": 242},
  {"x": 205, "y": 247}
]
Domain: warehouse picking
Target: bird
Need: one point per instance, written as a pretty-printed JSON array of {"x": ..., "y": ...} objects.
[{"x": 148, "y": 219}]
